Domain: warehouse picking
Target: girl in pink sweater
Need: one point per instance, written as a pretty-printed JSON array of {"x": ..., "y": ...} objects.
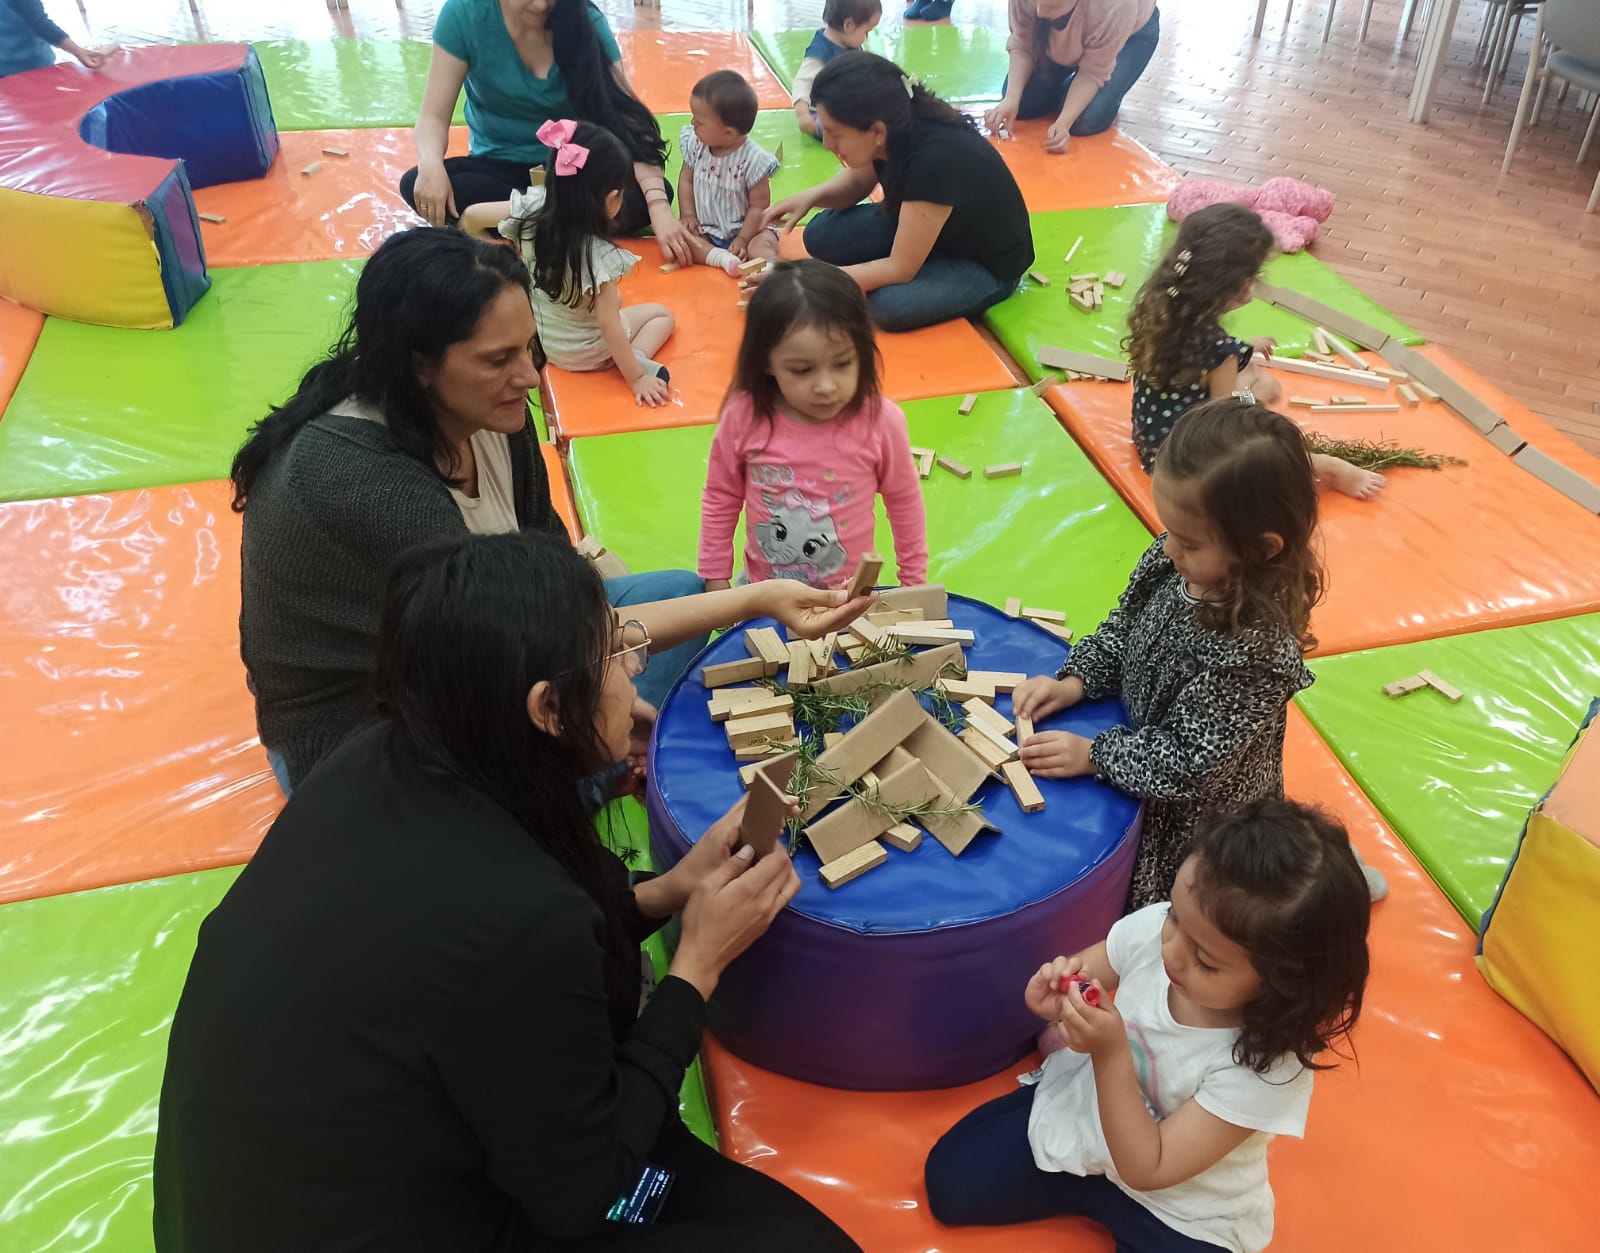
[{"x": 806, "y": 445}]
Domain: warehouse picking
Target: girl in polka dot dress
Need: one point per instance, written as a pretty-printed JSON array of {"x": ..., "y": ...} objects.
[{"x": 1180, "y": 354}]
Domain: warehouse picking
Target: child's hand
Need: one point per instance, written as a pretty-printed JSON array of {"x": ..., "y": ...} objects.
[
  {"x": 648, "y": 389},
  {"x": 1043, "y": 995},
  {"x": 1264, "y": 347},
  {"x": 1093, "y": 1029},
  {"x": 1041, "y": 696},
  {"x": 1057, "y": 755}
]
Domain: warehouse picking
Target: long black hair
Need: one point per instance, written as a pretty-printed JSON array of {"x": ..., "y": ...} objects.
[
  {"x": 420, "y": 292},
  {"x": 1281, "y": 881},
  {"x": 859, "y": 89},
  {"x": 467, "y": 627},
  {"x": 592, "y": 86},
  {"x": 573, "y": 214}
]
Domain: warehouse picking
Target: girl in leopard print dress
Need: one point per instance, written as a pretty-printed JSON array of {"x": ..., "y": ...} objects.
[{"x": 1205, "y": 647}]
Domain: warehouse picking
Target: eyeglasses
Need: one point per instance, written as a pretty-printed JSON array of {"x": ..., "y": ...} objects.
[{"x": 635, "y": 652}]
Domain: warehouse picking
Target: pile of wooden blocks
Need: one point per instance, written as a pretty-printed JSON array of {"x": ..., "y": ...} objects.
[
  {"x": 898, "y": 756},
  {"x": 1052, "y": 620},
  {"x": 1082, "y": 365},
  {"x": 1420, "y": 680}
]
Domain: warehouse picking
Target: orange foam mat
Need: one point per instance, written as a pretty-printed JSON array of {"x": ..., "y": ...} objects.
[
  {"x": 347, "y": 207},
  {"x": 1106, "y": 169},
  {"x": 663, "y": 66},
  {"x": 1439, "y": 552},
  {"x": 1458, "y": 1105},
  {"x": 561, "y": 488},
  {"x": 128, "y": 738},
  {"x": 936, "y": 361},
  {"x": 19, "y": 331}
]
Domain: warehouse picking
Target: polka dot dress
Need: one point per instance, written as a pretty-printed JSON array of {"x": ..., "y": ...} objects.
[{"x": 1155, "y": 409}]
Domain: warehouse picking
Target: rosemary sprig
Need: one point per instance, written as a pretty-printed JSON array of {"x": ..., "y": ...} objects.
[
  {"x": 873, "y": 800},
  {"x": 1377, "y": 455},
  {"x": 885, "y": 650}
]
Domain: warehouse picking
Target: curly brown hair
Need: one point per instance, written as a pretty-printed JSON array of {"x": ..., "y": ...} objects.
[
  {"x": 1281, "y": 881},
  {"x": 1250, "y": 474},
  {"x": 1218, "y": 250}
]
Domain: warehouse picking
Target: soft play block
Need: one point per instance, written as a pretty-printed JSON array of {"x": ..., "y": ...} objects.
[
  {"x": 959, "y": 63},
  {"x": 934, "y": 361},
  {"x": 90, "y": 983},
  {"x": 1133, "y": 239},
  {"x": 664, "y": 65},
  {"x": 1456, "y": 781},
  {"x": 560, "y": 488},
  {"x": 129, "y": 738},
  {"x": 1056, "y": 535},
  {"x": 100, "y": 409},
  {"x": 1106, "y": 169},
  {"x": 805, "y": 162},
  {"x": 96, "y": 169},
  {"x": 859, "y": 1155},
  {"x": 1438, "y": 552},
  {"x": 1539, "y": 948},
  {"x": 19, "y": 332}
]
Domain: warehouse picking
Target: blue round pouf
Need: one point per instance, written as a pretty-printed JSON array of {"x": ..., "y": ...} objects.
[{"x": 910, "y": 976}]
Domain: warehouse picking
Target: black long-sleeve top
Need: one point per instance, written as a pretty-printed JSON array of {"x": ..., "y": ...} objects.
[{"x": 395, "y": 1034}]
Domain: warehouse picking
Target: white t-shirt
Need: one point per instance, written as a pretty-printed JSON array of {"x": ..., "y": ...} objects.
[{"x": 1231, "y": 1203}]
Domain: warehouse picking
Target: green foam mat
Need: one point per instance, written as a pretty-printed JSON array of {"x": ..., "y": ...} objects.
[
  {"x": 1057, "y": 535},
  {"x": 101, "y": 409},
  {"x": 1133, "y": 239},
  {"x": 90, "y": 983},
  {"x": 1456, "y": 781},
  {"x": 805, "y": 162},
  {"x": 961, "y": 63},
  {"x": 339, "y": 83}
]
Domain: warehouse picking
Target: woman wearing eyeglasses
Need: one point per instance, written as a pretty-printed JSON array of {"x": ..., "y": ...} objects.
[
  {"x": 416, "y": 428},
  {"x": 414, "y": 1023}
]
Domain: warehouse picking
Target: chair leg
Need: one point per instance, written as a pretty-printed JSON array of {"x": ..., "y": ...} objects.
[
  {"x": 1594, "y": 197},
  {"x": 1588, "y": 135},
  {"x": 1327, "y": 27},
  {"x": 1509, "y": 45},
  {"x": 1490, "y": 17},
  {"x": 1406, "y": 18},
  {"x": 1535, "y": 71},
  {"x": 1538, "y": 101},
  {"x": 1261, "y": 18},
  {"x": 1366, "y": 20}
]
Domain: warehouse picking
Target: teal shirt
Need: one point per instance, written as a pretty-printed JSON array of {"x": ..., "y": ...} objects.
[{"x": 506, "y": 101}]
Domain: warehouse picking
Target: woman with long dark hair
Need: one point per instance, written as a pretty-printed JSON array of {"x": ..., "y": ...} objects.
[
  {"x": 522, "y": 63},
  {"x": 951, "y": 236},
  {"x": 416, "y": 428},
  {"x": 414, "y": 1021}
]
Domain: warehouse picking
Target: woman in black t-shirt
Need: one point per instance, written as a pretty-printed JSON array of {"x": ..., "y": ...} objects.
[{"x": 951, "y": 236}]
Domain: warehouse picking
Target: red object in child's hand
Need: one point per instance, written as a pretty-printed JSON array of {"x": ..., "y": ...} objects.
[{"x": 1091, "y": 994}]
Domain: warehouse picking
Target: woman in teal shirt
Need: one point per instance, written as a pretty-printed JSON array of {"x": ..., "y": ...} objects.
[{"x": 522, "y": 63}]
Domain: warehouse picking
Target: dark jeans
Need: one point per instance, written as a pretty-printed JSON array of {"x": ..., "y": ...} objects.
[
  {"x": 1046, "y": 90},
  {"x": 981, "y": 1174},
  {"x": 717, "y": 1206},
  {"x": 480, "y": 180},
  {"x": 944, "y": 288}
]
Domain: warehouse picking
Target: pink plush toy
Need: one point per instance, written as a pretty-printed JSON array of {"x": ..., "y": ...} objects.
[{"x": 1290, "y": 208}]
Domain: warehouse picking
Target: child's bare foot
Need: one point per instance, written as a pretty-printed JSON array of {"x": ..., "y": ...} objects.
[{"x": 1339, "y": 475}]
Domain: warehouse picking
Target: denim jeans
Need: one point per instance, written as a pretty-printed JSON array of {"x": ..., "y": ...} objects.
[
  {"x": 1046, "y": 89},
  {"x": 944, "y": 288},
  {"x": 981, "y": 1174},
  {"x": 639, "y": 589}
]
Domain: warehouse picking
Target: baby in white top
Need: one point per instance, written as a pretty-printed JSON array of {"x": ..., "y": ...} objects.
[{"x": 726, "y": 184}]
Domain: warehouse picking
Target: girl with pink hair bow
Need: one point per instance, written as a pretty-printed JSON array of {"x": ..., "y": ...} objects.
[{"x": 561, "y": 229}]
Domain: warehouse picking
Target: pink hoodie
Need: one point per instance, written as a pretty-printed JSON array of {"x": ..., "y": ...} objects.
[{"x": 1092, "y": 38}]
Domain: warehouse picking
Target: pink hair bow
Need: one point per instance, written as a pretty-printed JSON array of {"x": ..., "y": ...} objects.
[{"x": 557, "y": 136}]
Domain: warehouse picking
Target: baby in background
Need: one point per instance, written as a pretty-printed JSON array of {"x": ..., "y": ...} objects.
[
  {"x": 726, "y": 184},
  {"x": 845, "y": 27}
]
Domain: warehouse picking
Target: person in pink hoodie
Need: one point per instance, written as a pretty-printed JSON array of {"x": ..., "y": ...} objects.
[
  {"x": 1074, "y": 60},
  {"x": 806, "y": 444}
]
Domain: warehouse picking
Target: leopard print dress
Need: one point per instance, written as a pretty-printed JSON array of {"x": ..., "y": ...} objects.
[{"x": 1208, "y": 713}]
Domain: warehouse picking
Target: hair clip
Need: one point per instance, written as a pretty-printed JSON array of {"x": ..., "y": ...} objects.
[
  {"x": 1180, "y": 267},
  {"x": 556, "y": 131},
  {"x": 1172, "y": 292},
  {"x": 909, "y": 84}
]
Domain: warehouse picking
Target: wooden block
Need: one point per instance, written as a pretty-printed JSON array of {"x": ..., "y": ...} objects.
[
  {"x": 1304, "y": 400},
  {"x": 950, "y": 762},
  {"x": 1024, "y": 730},
  {"x": 607, "y": 563},
  {"x": 1569, "y": 483},
  {"x": 753, "y": 266},
  {"x": 1399, "y": 376},
  {"x": 1338, "y": 374},
  {"x": 925, "y": 465},
  {"x": 1099, "y": 296},
  {"x": 903, "y": 836},
  {"x": 990, "y": 753},
  {"x": 763, "y": 703},
  {"x": 726, "y": 672},
  {"x": 1029, "y": 799},
  {"x": 1344, "y": 350},
  {"x": 757, "y": 752},
  {"x": 217, "y": 218},
  {"x": 955, "y": 831},
  {"x": 748, "y": 772},
  {"x": 311, "y": 169},
  {"x": 1450, "y": 693},
  {"x": 830, "y": 738},
  {"x": 767, "y": 809},
  {"x": 882, "y": 617},
  {"x": 1072, "y": 251},
  {"x": 1355, "y": 408},
  {"x": 1005, "y": 470},
  {"x": 866, "y": 576},
  {"x": 955, "y": 467},
  {"x": 1115, "y": 278},
  {"x": 1344, "y": 400},
  {"x": 1319, "y": 314},
  {"x": 928, "y": 636},
  {"x": 1084, "y": 299},
  {"x": 1321, "y": 358},
  {"x": 1013, "y": 606},
  {"x": 764, "y": 642},
  {"x": 1319, "y": 337},
  {"x": 1038, "y": 278},
  {"x": 1404, "y": 687},
  {"x": 852, "y": 865},
  {"x": 966, "y": 405},
  {"x": 964, "y": 690},
  {"x": 335, "y": 152},
  {"x": 863, "y": 746},
  {"x": 1055, "y": 358},
  {"x": 801, "y": 663},
  {"x": 744, "y": 732},
  {"x": 1423, "y": 390},
  {"x": 670, "y": 267},
  {"x": 999, "y": 680},
  {"x": 777, "y": 154},
  {"x": 1506, "y": 440},
  {"x": 858, "y": 822},
  {"x": 978, "y": 711},
  {"x": 1409, "y": 395},
  {"x": 1055, "y": 629},
  {"x": 866, "y": 632},
  {"x": 1044, "y": 615},
  {"x": 1045, "y": 384},
  {"x": 918, "y": 673}
]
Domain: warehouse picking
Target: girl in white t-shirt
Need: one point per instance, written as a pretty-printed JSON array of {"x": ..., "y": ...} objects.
[
  {"x": 1155, "y": 1120},
  {"x": 561, "y": 229}
]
